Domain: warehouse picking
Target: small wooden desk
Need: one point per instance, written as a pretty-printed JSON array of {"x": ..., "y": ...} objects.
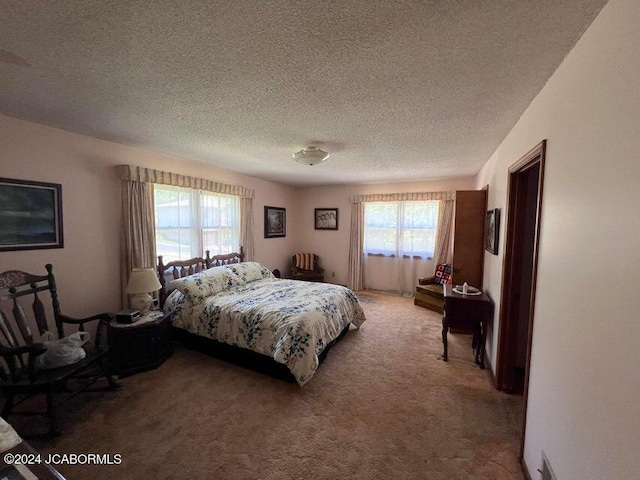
[{"x": 467, "y": 312}]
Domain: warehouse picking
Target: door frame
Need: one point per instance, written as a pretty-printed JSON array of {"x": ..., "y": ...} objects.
[{"x": 507, "y": 334}]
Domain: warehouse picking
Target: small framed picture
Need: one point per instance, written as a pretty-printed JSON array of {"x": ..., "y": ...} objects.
[
  {"x": 275, "y": 222},
  {"x": 492, "y": 230},
  {"x": 30, "y": 215},
  {"x": 326, "y": 218}
]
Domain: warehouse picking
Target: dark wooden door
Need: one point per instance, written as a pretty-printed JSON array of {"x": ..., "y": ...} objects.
[
  {"x": 519, "y": 277},
  {"x": 468, "y": 237}
]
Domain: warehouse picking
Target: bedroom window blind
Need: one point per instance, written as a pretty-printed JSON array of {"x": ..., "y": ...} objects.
[
  {"x": 190, "y": 221},
  {"x": 400, "y": 229}
]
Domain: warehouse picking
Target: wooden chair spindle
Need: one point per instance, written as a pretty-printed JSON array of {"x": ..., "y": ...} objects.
[
  {"x": 21, "y": 321},
  {"x": 7, "y": 331},
  {"x": 38, "y": 312}
]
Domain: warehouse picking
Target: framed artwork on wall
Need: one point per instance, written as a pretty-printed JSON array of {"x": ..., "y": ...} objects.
[
  {"x": 492, "y": 230},
  {"x": 275, "y": 222},
  {"x": 326, "y": 218},
  {"x": 30, "y": 215}
]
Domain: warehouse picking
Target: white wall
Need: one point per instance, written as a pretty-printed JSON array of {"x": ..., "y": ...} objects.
[
  {"x": 91, "y": 196},
  {"x": 584, "y": 392},
  {"x": 332, "y": 246},
  {"x": 88, "y": 267}
]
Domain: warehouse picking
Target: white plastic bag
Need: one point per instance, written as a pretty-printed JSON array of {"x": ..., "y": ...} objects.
[{"x": 62, "y": 352}]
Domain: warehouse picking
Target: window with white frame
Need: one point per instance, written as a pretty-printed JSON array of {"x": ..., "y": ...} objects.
[
  {"x": 400, "y": 229},
  {"x": 189, "y": 222}
]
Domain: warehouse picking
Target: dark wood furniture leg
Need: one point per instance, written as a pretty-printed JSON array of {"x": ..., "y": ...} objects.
[
  {"x": 104, "y": 368},
  {"x": 480, "y": 349},
  {"x": 445, "y": 330}
]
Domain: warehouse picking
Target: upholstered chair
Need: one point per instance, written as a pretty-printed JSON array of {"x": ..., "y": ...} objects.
[
  {"x": 430, "y": 290},
  {"x": 304, "y": 266}
]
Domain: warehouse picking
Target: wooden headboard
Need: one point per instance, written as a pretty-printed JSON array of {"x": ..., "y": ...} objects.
[{"x": 182, "y": 268}]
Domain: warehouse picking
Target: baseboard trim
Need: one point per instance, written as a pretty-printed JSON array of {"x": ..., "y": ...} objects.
[{"x": 525, "y": 469}]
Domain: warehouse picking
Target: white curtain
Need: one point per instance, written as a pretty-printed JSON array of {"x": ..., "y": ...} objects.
[
  {"x": 393, "y": 262},
  {"x": 399, "y": 243}
]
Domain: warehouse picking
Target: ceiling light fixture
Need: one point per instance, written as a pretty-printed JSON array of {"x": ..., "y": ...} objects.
[{"x": 310, "y": 156}]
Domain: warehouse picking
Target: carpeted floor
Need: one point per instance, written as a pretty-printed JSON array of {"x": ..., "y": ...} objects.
[{"x": 382, "y": 406}]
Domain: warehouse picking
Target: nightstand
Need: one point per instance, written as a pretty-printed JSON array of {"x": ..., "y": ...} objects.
[{"x": 139, "y": 346}]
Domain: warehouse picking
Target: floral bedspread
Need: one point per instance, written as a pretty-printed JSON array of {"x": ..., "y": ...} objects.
[{"x": 288, "y": 320}]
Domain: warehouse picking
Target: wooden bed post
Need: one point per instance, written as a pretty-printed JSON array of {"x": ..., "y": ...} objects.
[
  {"x": 182, "y": 268},
  {"x": 162, "y": 295}
]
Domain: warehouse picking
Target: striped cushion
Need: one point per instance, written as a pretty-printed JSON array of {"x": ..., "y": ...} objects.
[{"x": 304, "y": 261}]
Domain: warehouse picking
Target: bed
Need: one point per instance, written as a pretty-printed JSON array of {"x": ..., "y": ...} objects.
[{"x": 244, "y": 307}]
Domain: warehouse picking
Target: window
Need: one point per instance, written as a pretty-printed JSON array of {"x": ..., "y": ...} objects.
[
  {"x": 405, "y": 229},
  {"x": 189, "y": 222}
]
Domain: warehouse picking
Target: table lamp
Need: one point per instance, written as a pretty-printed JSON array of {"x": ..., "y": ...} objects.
[{"x": 141, "y": 283}]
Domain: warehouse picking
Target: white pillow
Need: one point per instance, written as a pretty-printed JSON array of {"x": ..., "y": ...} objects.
[
  {"x": 203, "y": 284},
  {"x": 250, "y": 271}
]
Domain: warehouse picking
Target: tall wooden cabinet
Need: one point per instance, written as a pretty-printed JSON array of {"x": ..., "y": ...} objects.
[{"x": 468, "y": 237}]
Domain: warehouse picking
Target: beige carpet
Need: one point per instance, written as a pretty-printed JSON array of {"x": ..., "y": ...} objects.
[{"x": 382, "y": 406}]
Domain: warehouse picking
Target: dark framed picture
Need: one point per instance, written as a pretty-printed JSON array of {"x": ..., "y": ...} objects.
[
  {"x": 492, "y": 230},
  {"x": 30, "y": 215},
  {"x": 275, "y": 222},
  {"x": 326, "y": 218}
]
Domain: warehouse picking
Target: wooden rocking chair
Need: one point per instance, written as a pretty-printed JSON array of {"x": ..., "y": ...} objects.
[{"x": 19, "y": 377}]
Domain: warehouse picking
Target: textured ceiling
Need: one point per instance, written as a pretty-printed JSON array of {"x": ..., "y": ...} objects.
[{"x": 396, "y": 90}]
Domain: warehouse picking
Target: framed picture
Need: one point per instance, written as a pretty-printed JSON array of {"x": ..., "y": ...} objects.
[
  {"x": 326, "y": 218},
  {"x": 492, "y": 230},
  {"x": 30, "y": 215},
  {"x": 275, "y": 222}
]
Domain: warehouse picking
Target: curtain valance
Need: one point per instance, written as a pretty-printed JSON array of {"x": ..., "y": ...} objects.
[
  {"x": 403, "y": 197},
  {"x": 148, "y": 175}
]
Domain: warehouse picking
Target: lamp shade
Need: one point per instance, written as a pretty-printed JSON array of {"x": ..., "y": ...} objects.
[
  {"x": 310, "y": 156},
  {"x": 143, "y": 280}
]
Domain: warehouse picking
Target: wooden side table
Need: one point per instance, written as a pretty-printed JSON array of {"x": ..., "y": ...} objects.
[
  {"x": 467, "y": 312},
  {"x": 139, "y": 346}
]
